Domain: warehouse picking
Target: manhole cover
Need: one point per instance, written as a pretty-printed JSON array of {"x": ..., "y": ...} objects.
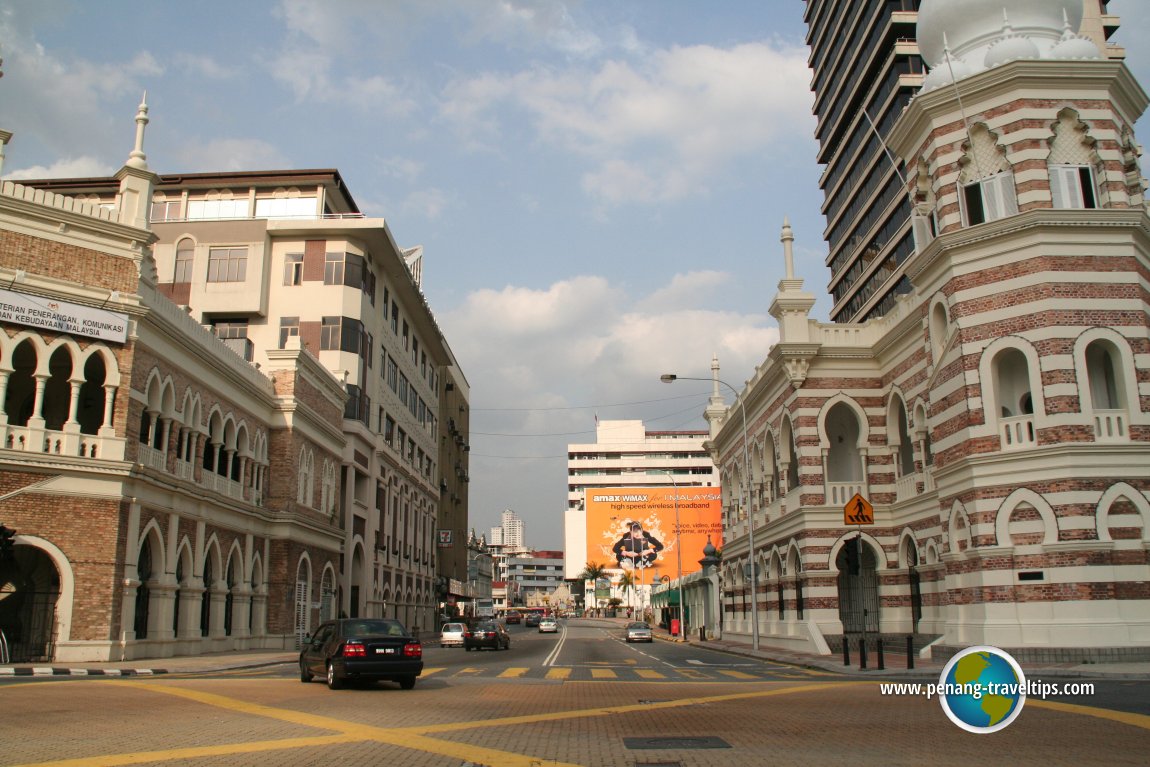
[{"x": 686, "y": 743}]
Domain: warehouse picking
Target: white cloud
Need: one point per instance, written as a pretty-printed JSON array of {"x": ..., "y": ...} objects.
[
  {"x": 70, "y": 167},
  {"x": 550, "y": 360},
  {"x": 655, "y": 130},
  {"x": 513, "y": 23},
  {"x": 232, "y": 154},
  {"x": 208, "y": 67},
  {"x": 586, "y": 337},
  {"x": 428, "y": 204}
]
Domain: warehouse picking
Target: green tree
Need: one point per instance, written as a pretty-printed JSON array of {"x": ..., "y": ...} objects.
[
  {"x": 593, "y": 571},
  {"x": 627, "y": 583}
]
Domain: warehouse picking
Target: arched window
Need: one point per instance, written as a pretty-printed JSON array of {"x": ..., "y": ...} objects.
[
  {"x": 143, "y": 592},
  {"x": 1105, "y": 396},
  {"x": 185, "y": 258},
  {"x": 206, "y": 599},
  {"x": 58, "y": 390},
  {"x": 986, "y": 182},
  {"x": 1015, "y": 401},
  {"x": 229, "y": 600},
  {"x": 843, "y": 458},
  {"x": 92, "y": 395},
  {"x": 1071, "y": 164},
  {"x": 20, "y": 398}
]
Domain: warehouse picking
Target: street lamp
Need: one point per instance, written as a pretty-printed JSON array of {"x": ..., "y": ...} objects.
[
  {"x": 744, "y": 497},
  {"x": 678, "y": 550}
]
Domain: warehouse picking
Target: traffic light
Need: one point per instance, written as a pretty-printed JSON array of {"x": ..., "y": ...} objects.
[
  {"x": 852, "y": 554},
  {"x": 6, "y": 543}
]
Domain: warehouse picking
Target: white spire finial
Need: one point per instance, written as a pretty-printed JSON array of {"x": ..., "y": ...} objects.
[
  {"x": 137, "y": 159},
  {"x": 788, "y": 240}
]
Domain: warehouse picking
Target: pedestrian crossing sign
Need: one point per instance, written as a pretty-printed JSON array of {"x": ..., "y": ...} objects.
[{"x": 858, "y": 511}]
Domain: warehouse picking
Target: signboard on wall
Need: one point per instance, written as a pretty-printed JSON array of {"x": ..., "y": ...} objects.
[
  {"x": 446, "y": 539},
  {"x": 634, "y": 528},
  {"x": 63, "y": 317}
]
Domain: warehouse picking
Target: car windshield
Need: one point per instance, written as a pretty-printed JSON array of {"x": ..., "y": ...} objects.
[
  {"x": 637, "y": 626},
  {"x": 487, "y": 627},
  {"x": 452, "y": 627},
  {"x": 374, "y": 628}
]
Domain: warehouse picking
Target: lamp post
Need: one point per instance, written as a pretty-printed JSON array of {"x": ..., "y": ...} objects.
[
  {"x": 744, "y": 497},
  {"x": 678, "y": 550}
]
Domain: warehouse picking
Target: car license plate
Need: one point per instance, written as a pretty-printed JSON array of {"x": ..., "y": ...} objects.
[{"x": 385, "y": 651}]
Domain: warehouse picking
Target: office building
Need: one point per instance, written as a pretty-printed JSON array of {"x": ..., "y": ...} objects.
[
  {"x": 297, "y": 476},
  {"x": 866, "y": 68}
]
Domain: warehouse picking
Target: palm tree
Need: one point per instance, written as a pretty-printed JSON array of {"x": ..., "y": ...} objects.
[
  {"x": 627, "y": 583},
  {"x": 592, "y": 571}
]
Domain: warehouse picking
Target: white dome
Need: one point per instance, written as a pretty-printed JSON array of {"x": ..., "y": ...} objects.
[
  {"x": 940, "y": 75},
  {"x": 1076, "y": 48},
  {"x": 973, "y": 26},
  {"x": 1010, "y": 48}
]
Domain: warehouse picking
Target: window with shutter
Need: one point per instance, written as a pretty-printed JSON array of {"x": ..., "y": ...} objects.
[{"x": 1072, "y": 186}]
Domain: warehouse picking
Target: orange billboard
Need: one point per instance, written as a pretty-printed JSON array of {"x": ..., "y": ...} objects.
[{"x": 634, "y": 528}]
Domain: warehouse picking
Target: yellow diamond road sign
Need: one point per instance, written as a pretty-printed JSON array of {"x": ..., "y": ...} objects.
[{"x": 858, "y": 511}]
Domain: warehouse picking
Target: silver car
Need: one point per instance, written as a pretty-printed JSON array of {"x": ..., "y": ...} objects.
[
  {"x": 452, "y": 635},
  {"x": 639, "y": 632}
]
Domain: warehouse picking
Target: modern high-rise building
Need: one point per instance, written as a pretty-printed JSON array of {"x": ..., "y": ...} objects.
[
  {"x": 626, "y": 454},
  {"x": 866, "y": 68}
]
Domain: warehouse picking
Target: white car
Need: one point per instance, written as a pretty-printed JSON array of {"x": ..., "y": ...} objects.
[
  {"x": 639, "y": 632},
  {"x": 548, "y": 626},
  {"x": 452, "y": 635}
]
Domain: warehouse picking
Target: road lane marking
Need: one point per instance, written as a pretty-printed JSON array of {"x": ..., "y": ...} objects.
[
  {"x": 1125, "y": 717},
  {"x": 514, "y": 673},
  {"x": 691, "y": 673},
  {"x": 647, "y": 673},
  {"x": 559, "y": 673},
  {"x": 737, "y": 674},
  {"x": 468, "y": 671},
  {"x": 603, "y": 673},
  {"x": 430, "y": 671}
]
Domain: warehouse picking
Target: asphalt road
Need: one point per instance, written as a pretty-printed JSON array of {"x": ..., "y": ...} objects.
[{"x": 580, "y": 697}]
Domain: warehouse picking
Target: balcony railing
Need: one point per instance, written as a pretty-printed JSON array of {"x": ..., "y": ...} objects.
[
  {"x": 906, "y": 486},
  {"x": 50, "y": 441},
  {"x": 1017, "y": 432},
  {"x": 1110, "y": 426},
  {"x": 152, "y": 458},
  {"x": 838, "y": 493}
]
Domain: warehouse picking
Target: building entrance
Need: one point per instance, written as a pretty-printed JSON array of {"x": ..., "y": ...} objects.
[
  {"x": 29, "y": 590},
  {"x": 858, "y": 588}
]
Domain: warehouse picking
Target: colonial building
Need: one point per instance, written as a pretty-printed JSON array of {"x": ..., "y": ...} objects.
[
  {"x": 248, "y": 393},
  {"x": 997, "y": 416},
  {"x": 136, "y": 449}
]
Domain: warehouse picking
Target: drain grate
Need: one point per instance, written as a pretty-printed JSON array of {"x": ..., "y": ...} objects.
[{"x": 674, "y": 742}]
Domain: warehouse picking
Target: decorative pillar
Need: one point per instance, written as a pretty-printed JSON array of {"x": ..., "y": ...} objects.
[{"x": 106, "y": 427}]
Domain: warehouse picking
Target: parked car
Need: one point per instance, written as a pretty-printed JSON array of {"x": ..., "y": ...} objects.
[
  {"x": 361, "y": 648},
  {"x": 487, "y": 634},
  {"x": 548, "y": 626},
  {"x": 514, "y": 616},
  {"x": 451, "y": 635},
  {"x": 533, "y": 619},
  {"x": 639, "y": 632}
]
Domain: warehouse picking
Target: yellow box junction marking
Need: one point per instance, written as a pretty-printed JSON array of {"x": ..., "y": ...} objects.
[{"x": 514, "y": 673}]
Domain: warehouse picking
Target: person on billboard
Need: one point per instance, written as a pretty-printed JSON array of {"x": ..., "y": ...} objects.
[{"x": 637, "y": 548}]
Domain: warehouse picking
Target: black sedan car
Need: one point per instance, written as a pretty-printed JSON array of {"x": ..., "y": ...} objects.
[
  {"x": 361, "y": 648},
  {"x": 487, "y": 634}
]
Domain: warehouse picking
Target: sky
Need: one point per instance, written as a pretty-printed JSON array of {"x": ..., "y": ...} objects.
[{"x": 599, "y": 185}]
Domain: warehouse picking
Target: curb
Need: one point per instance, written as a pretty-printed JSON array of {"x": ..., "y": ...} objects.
[{"x": 54, "y": 671}]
